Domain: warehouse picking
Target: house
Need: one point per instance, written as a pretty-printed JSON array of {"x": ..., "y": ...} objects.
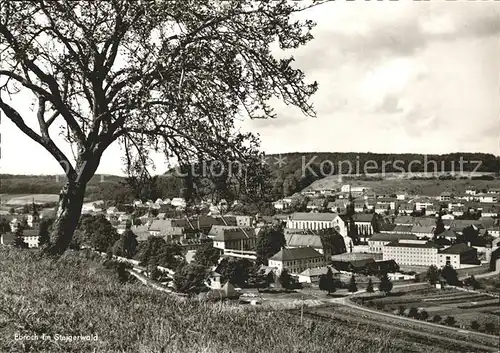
[
  {"x": 458, "y": 211},
  {"x": 494, "y": 231},
  {"x": 159, "y": 202},
  {"x": 490, "y": 211},
  {"x": 354, "y": 265},
  {"x": 214, "y": 280},
  {"x": 366, "y": 223},
  {"x": 178, "y": 202},
  {"x": 31, "y": 237},
  {"x": 411, "y": 254},
  {"x": 487, "y": 198},
  {"x": 111, "y": 210},
  {"x": 402, "y": 229},
  {"x": 459, "y": 225},
  {"x": 432, "y": 210},
  {"x": 358, "y": 190},
  {"x": 7, "y": 239},
  {"x": 449, "y": 235},
  {"x": 338, "y": 206},
  {"x": 401, "y": 196},
  {"x": 296, "y": 260},
  {"x": 360, "y": 205},
  {"x": 233, "y": 238},
  {"x": 137, "y": 203},
  {"x": 445, "y": 196},
  {"x": 377, "y": 241},
  {"x": 244, "y": 221},
  {"x": 422, "y": 203},
  {"x": 404, "y": 220},
  {"x": 470, "y": 191},
  {"x": 406, "y": 208},
  {"x": 312, "y": 275},
  {"x": 316, "y": 221},
  {"x": 458, "y": 255},
  {"x": 299, "y": 238},
  {"x": 226, "y": 292},
  {"x": 423, "y": 231},
  {"x": 316, "y": 204},
  {"x": 383, "y": 204}
]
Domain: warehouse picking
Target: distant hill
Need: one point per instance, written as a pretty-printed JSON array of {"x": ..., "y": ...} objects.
[
  {"x": 292, "y": 172},
  {"x": 296, "y": 171}
]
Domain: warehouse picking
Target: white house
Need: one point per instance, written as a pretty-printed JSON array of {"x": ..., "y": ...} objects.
[
  {"x": 178, "y": 202},
  {"x": 488, "y": 198},
  {"x": 316, "y": 221},
  {"x": 296, "y": 260},
  {"x": 411, "y": 254}
]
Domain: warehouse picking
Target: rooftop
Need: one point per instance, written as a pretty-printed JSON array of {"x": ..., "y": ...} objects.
[
  {"x": 311, "y": 216},
  {"x": 428, "y": 245},
  {"x": 457, "y": 249},
  {"x": 295, "y": 254},
  {"x": 392, "y": 237}
]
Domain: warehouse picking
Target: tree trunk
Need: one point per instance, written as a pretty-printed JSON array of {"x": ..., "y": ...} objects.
[{"x": 68, "y": 214}]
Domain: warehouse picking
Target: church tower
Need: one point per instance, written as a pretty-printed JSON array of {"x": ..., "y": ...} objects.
[{"x": 34, "y": 218}]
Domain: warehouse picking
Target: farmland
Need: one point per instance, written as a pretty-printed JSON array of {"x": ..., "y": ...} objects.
[
  {"x": 23, "y": 199},
  {"x": 392, "y": 185},
  {"x": 464, "y": 306}
]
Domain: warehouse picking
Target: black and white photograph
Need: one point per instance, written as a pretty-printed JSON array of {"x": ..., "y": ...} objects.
[{"x": 249, "y": 176}]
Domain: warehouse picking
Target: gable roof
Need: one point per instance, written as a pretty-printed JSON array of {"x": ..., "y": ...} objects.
[
  {"x": 404, "y": 220},
  {"x": 303, "y": 240},
  {"x": 422, "y": 229},
  {"x": 392, "y": 237},
  {"x": 448, "y": 234},
  {"x": 363, "y": 217},
  {"x": 316, "y": 271},
  {"x": 312, "y": 216},
  {"x": 457, "y": 249},
  {"x": 396, "y": 244},
  {"x": 228, "y": 233},
  {"x": 295, "y": 254},
  {"x": 400, "y": 228}
]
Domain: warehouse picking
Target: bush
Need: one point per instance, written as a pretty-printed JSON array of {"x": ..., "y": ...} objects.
[
  {"x": 489, "y": 327},
  {"x": 474, "y": 325},
  {"x": 401, "y": 310},
  {"x": 413, "y": 312},
  {"x": 424, "y": 315},
  {"x": 450, "y": 321},
  {"x": 436, "y": 318}
]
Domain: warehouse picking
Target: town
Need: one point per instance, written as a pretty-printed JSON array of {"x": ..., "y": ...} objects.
[{"x": 343, "y": 240}]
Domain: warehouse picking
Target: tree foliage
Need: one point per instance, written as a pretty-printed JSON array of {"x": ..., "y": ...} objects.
[
  {"x": 285, "y": 279},
  {"x": 385, "y": 284},
  {"x": 432, "y": 274},
  {"x": 207, "y": 255},
  {"x": 157, "y": 250},
  {"x": 169, "y": 76},
  {"x": 369, "y": 287},
  {"x": 44, "y": 231},
  {"x": 97, "y": 232},
  {"x": 271, "y": 239},
  {"x": 127, "y": 245},
  {"x": 190, "y": 278},
  {"x": 236, "y": 271},
  {"x": 327, "y": 282},
  {"x": 450, "y": 275},
  {"x": 353, "y": 287}
]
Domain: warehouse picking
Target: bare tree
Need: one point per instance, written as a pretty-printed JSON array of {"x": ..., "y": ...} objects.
[{"x": 169, "y": 76}]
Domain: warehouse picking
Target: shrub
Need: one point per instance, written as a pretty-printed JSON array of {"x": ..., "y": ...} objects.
[
  {"x": 401, "y": 310},
  {"x": 424, "y": 315},
  {"x": 474, "y": 325},
  {"x": 413, "y": 312},
  {"x": 436, "y": 318},
  {"x": 489, "y": 327},
  {"x": 450, "y": 321}
]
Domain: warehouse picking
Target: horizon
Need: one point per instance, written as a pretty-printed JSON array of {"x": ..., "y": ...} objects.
[{"x": 405, "y": 77}]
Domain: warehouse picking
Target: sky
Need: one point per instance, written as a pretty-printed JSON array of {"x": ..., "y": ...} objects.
[{"x": 394, "y": 77}]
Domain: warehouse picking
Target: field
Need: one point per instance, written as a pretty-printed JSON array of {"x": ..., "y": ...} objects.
[
  {"x": 23, "y": 199},
  {"x": 464, "y": 306},
  {"x": 76, "y": 295},
  {"x": 413, "y": 187}
]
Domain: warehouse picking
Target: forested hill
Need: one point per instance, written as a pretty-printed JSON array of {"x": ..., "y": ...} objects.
[
  {"x": 295, "y": 171},
  {"x": 291, "y": 172}
]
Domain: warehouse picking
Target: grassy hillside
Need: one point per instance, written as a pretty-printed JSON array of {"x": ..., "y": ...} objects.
[{"x": 76, "y": 295}]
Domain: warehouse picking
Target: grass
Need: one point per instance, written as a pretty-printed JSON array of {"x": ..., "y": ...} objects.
[{"x": 76, "y": 295}]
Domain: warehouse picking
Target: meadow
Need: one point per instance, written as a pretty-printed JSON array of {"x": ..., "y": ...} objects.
[{"x": 77, "y": 295}]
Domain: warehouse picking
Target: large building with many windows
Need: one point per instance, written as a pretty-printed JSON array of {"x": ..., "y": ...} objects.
[
  {"x": 297, "y": 260},
  {"x": 409, "y": 253},
  {"x": 316, "y": 221}
]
